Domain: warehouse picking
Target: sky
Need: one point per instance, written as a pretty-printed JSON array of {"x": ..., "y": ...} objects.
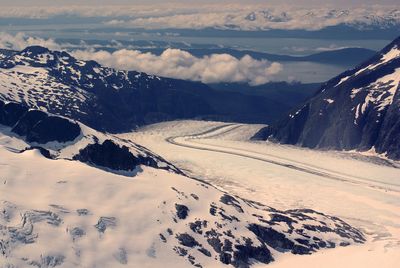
[{"x": 191, "y": 2}]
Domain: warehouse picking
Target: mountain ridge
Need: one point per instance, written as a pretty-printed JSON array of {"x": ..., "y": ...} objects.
[{"x": 356, "y": 110}]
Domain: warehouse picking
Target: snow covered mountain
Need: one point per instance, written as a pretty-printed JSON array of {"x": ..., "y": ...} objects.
[
  {"x": 256, "y": 18},
  {"x": 359, "y": 109},
  {"x": 116, "y": 101},
  {"x": 103, "y": 98},
  {"x": 129, "y": 206}
]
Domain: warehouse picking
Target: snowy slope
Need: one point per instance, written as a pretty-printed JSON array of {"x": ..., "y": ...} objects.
[
  {"x": 359, "y": 109},
  {"x": 82, "y": 216}
]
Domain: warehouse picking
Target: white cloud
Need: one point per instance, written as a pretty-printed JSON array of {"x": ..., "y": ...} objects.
[
  {"x": 21, "y": 41},
  {"x": 176, "y": 63}
]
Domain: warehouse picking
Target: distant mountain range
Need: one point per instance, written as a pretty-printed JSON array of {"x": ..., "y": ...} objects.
[
  {"x": 359, "y": 109},
  {"x": 274, "y": 22},
  {"x": 344, "y": 56}
]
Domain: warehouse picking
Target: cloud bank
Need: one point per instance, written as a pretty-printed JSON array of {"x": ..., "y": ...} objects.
[
  {"x": 176, "y": 63},
  {"x": 221, "y": 16},
  {"x": 21, "y": 41},
  {"x": 173, "y": 63}
]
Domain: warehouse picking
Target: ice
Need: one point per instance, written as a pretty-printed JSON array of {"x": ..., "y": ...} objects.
[{"x": 364, "y": 191}]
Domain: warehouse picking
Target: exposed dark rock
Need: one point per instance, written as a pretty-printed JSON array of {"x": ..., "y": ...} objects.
[
  {"x": 277, "y": 240},
  {"x": 229, "y": 234},
  {"x": 181, "y": 211},
  {"x": 228, "y": 217},
  {"x": 180, "y": 251},
  {"x": 59, "y": 208},
  {"x": 46, "y": 153},
  {"x": 83, "y": 212},
  {"x": 205, "y": 251},
  {"x": 244, "y": 253},
  {"x": 225, "y": 258},
  {"x": 231, "y": 201},
  {"x": 213, "y": 209},
  {"x": 110, "y": 155},
  {"x": 41, "y": 216},
  {"x": 187, "y": 240},
  {"x": 282, "y": 218},
  {"x": 163, "y": 239},
  {"x": 213, "y": 238},
  {"x": 195, "y": 197},
  {"x": 388, "y": 139},
  {"x": 77, "y": 232},
  {"x": 227, "y": 246},
  {"x": 36, "y": 125},
  {"x": 323, "y": 229},
  {"x": 54, "y": 128},
  {"x": 181, "y": 193},
  {"x": 24, "y": 233},
  {"x": 28, "y": 121},
  {"x": 196, "y": 226},
  {"x": 344, "y": 244},
  {"x": 105, "y": 222},
  {"x": 11, "y": 112}
]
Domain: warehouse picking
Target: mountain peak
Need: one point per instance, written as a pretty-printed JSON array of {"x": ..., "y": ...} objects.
[{"x": 34, "y": 50}]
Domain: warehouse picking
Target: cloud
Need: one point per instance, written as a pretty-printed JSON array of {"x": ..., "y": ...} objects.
[
  {"x": 223, "y": 16},
  {"x": 176, "y": 63},
  {"x": 265, "y": 18},
  {"x": 173, "y": 63},
  {"x": 21, "y": 41}
]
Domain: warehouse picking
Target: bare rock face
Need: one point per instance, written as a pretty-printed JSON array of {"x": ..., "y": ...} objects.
[
  {"x": 53, "y": 128},
  {"x": 108, "y": 154},
  {"x": 117, "y": 157},
  {"x": 28, "y": 121},
  {"x": 37, "y": 126},
  {"x": 11, "y": 112},
  {"x": 359, "y": 109}
]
